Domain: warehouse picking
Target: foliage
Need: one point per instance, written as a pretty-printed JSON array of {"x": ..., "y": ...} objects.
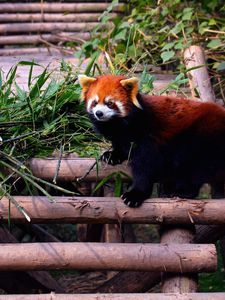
[
  {"x": 48, "y": 116},
  {"x": 155, "y": 33}
]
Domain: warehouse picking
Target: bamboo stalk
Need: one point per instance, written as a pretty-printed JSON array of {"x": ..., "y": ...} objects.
[
  {"x": 199, "y": 80},
  {"x": 57, "y": 7},
  {"x": 72, "y": 169},
  {"x": 178, "y": 283},
  {"x": 36, "y": 39},
  {"x": 109, "y": 256},
  {"x": 101, "y": 210},
  {"x": 47, "y": 27},
  {"x": 28, "y": 51},
  {"x": 53, "y": 17}
]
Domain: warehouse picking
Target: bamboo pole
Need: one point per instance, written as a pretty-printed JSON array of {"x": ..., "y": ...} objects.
[
  {"x": 57, "y": 7},
  {"x": 101, "y": 210},
  {"x": 48, "y": 27},
  {"x": 52, "y": 17},
  {"x": 199, "y": 80},
  {"x": 136, "y": 282},
  {"x": 72, "y": 169},
  {"x": 109, "y": 256},
  {"x": 38, "y": 39},
  {"x": 152, "y": 296},
  {"x": 178, "y": 283},
  {"x": 31, "y": 51}
]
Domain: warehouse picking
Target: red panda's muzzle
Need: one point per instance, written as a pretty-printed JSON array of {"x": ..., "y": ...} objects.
[{"x": 102, "y": 112}]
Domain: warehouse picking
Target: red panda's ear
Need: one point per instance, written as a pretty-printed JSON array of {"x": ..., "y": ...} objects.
[
  {"x": 131, "y": 85},
  {"x": 85, "y": 83}
]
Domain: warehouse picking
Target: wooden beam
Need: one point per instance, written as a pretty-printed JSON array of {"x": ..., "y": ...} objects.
[
  {"x": 57, "y": 7},
  {"x": 59, "y": 17},
  {"x": 178, "y": 283},
  {"x": 48, "y": 27},
  {"x": 22, "y": 281},
  {"x": 136, "y": 282},
  {"x": 50, "y": 51},
  {"x": 149, "y": 296},
  {"x": 101, "y": 210},
  {"x": 71, "y": 169},
  {"x": 109, "y": 256},
  {"x": 39, "y": 39}
]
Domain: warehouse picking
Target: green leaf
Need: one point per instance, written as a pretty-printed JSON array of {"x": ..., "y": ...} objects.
[
  {"x": 168, "y": 46},
  {"x": 28, "y": 63},
  {"x": 177, "y": 28},
  {"x": 221, "y": 66},
  {"x": 35, "y": 91},
  {"x": 212, "y": 22},
  {"x": 187, "y": 14},
  {"x": 167, "y": 55},
  {"x": 20, "y": 93},
  {"x": 214, "y": 43},
  {"x": 122, "y": 35}
]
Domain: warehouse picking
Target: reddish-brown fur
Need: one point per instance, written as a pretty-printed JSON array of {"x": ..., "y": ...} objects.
[
  {"x": 109, "y": 85},
  {"x": 174, "y": 115},
  {"x": 165, "y": 138}
]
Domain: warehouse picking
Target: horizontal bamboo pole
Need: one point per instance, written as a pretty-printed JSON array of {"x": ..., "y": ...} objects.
[
  {"x": 149, "y": 296},
  {"x": 57, "y": 7},
  {"x": 29, "y": 51},
  {"x": 108, "y": 210},
  {"x": 109, "y": 256},
  {"x": 47, "y": 27},
  {"x": 71, "y": 169},
  {"x": 38, "y": 39},
  {"x": 53, "y": 17}
]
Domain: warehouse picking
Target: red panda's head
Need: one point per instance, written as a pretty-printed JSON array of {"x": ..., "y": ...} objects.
[{"x": 109, "y": 96}]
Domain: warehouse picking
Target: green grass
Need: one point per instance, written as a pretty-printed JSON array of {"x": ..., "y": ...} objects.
[{"x": 48, "y": 117}]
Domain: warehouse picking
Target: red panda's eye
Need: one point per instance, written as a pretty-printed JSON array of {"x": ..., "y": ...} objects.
[
  {"x": 110, "y": 104},
  {"x": 94, "y": 103}
]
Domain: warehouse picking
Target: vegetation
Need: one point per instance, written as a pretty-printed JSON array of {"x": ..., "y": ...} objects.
[{"x": 154, "y": 33}]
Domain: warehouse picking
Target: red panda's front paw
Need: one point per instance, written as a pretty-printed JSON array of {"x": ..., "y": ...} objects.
[
  {"x": 134, "y": 197},
  {"x": 111, "y": 158}
]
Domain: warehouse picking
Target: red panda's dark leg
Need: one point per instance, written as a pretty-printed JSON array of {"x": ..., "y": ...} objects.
[
  {"x": 146, "y": 161},
  {"x": 118, "y": 154}
]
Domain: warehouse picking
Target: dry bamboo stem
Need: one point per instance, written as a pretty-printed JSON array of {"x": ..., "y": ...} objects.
[
  {"x": 152, "y": 296},
  {"x": 27, "y": 51},
  {"x": 48, "y": 27},
  {"x": 109, "y": 256},
  {"x": 136, "y": 282},
  {"x": 36, "y": 39},
  {"x": 198, "y": 78},
  {"x": 56, "y": 7},
  {"x": 53, "y": 17},
  {"x": 178, "y": 283},
  {"x": 101, "y": 210},
  {"x": 72, "y": 169}
]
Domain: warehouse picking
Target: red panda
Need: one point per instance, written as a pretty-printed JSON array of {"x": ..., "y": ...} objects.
[{"x": 164, "y": 138}]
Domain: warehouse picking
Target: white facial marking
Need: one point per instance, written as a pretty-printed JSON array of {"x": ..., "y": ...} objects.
[
  {"x": 109, "y": 99},
  {"x": 90, "y": 102},
  {"x": 121, "y": 108},
  {"x": 107, "y": 113},
  {"x": 119, "y": 105}
]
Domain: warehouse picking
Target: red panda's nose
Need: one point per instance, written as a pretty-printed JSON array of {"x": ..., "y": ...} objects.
[{"x": 99, "y": 114}]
